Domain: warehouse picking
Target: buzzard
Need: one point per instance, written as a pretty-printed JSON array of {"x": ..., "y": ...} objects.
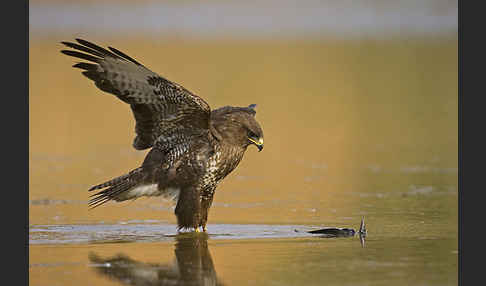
[{"x": 192, "y": 147}]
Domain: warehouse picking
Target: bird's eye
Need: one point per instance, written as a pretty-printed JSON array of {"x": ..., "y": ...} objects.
[{"x": 251, "y": 134}]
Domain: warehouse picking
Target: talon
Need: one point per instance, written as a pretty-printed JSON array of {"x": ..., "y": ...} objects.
[
  {"x": 197, "y": 229},
  {"x": 204, "y": 228}
]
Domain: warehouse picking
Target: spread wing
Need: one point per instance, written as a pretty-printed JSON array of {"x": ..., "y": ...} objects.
[{"x": 160, "y": 107}]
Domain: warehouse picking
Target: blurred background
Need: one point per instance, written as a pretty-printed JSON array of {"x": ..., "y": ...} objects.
[
  {"x": 358, "y": 101},
  {"x": 346, "y": 91}
]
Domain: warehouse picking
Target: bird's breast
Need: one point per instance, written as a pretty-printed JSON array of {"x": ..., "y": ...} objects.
[
  {"x": 219, "y": 165},
  {"x": 212, "y": 174}
]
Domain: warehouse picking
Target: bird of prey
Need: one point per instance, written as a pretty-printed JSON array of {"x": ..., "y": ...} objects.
[{"x": 192, "y": 147}]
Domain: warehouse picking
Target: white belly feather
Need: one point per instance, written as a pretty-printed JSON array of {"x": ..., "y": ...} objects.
[
  {"x": 149, "y": 191},
  {"x": 152, "y": 190}
]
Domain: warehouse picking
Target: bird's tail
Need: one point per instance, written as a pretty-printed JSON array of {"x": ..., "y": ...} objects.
[{"x": 115, "y": 187}]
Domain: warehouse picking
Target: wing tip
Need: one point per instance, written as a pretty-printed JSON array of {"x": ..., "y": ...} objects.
[
  {"x": 124, "y": 56},
  {"x": 85, "y": 66},
  {"x": 81, "y": 41},
  {"x": 83, "y": 56}
]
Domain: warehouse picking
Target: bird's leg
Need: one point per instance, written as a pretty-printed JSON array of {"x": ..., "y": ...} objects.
[
  {"x": 197, "y": 229},
  {"x": 206, "y": 202},
  {"x": 188, "y": 209}
]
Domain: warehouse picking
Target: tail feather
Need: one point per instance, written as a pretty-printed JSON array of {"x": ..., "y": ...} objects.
[
  {"x": 116, "y": 187},
  {"x": 111, "y": 182},
  {"x": 110, "y": 194}
]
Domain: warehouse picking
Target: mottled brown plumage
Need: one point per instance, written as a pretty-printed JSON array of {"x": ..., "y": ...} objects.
[{"x": 193, "y": 148}]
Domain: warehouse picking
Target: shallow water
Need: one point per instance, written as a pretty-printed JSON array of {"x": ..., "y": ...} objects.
[
  {"x": 128, "y": 232},
  {"x": 411, "y": 240},
  {"x": 153, "y": 254}
]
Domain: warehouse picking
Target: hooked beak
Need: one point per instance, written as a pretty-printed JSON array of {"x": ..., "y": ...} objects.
[
  {"x": 260, "y": 147},
  {"x": 258, "y": 143}
]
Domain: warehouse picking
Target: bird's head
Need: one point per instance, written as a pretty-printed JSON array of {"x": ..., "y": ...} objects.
[
  {"x": 254, "y": 133},
  {"x": 238, "y": 126}
]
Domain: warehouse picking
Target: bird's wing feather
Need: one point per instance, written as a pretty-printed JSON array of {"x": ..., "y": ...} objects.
[{"x": 159, "y": 105}]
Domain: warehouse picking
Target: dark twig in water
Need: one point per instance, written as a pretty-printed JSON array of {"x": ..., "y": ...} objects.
[
  {"x": 362, "y": 232},
  {"x": 362, "y": 239},
  {"x": 343, "y": 232},
  {"x": 362, "y": 227},
  {"x": 334, "y": 232}
]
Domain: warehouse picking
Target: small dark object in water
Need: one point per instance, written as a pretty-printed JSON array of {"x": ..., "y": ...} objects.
[
  {"x": 362, "y": 232},
  {"x": 362, "y": 228},
  {"x": 342, "y": 232},
  {"x": 334, "y": 232}
]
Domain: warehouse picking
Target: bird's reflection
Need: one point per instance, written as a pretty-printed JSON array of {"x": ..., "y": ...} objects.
[{"x": 193, "y": 265}]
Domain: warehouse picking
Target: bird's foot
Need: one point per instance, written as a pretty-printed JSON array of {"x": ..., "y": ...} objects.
[
  {"x": 197, "y": 229},
  {"x": 205, "y": 229}
]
